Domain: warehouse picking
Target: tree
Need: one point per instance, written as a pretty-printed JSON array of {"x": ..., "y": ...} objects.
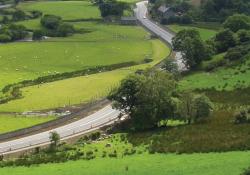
[
  {"x": 224, "y": 40},
  {"x": 243, "y": 35},
  {"x": 17, "y": 32},
  {"x": 37, "y": 35},
  {"x": 237, "y": 22},
  {"x": 65, "y": 29},
  {"x": 146, "y": 98},
  {"x": 51, "y": 21},
  {"x": 54, "y": 139},
  {"x": 194, "y": 107},
  {"x": 191, "y": 46},
  {"x": 18, "y": 15},
  {"x": 112, "y": 8},
  {"x": 171, "y": 66}
]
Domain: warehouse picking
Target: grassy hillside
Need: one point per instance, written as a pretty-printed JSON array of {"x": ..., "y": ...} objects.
[
  {"x": 204, "y": 32},
  {"x": 11, "y": 122},
  {"x": 68, "y": 10},
  {"x": 77, "y": 90},
  {"x": 231, "y": 163},
  {"x": 230, "y": 78},
  {"x": 104, "y": 45}
]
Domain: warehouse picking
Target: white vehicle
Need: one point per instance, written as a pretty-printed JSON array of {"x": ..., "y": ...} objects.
[{"x": 144, "y": 17}]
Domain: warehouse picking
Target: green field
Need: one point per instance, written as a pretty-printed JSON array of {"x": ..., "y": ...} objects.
[
  {"x": 68, "y": 10},
  {"x": 231, "y": 163},
  {"x": 104, "y": 45},
  {"x": 11, "y": 122},
  {"x": 204, "y": 32},
  {"x": 222, "y": 79},
  {"x": 79, "y": 89}
]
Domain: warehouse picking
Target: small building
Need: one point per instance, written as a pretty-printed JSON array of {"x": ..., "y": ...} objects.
[
  {"x": 165, "y": 12},
  {"x": 131, "y": 20}
]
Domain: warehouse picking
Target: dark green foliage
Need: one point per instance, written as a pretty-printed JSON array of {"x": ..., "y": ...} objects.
[
  {"x": 146, "y": 98},
  {"x": 5, "y": 38},
  {"x": 246, "y": 172},
  {"x": 237, "y": 52},
  {"x": 51, "y": 21},
  {"x": 237, "y": 22},
  {"x": 38, "y": 34},
  {"x": 12, "y": 32},
  {"x": 242, "y": 116},
  {"x": 112, "y": 8},
  {"x": 224, "y": 40},
  {"x": 171, "y": 66},
  {"x": 191, "y": 46},
  {"x": 65, "y": 29},
  {"x": 219, "y": 10},
  {"x": 18, "y": 15},
  {"x": 243, "y": 35}
]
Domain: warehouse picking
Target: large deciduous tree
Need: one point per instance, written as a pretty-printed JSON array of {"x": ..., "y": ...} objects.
[
  {"x": 237, "y": 22},
  {"x": 191, "y": 46},
  {"x": 147, "y": 98}
]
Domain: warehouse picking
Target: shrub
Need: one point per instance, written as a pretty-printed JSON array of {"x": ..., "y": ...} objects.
[
  {"x": 242, "y": 117},
  {"x": 18, "y": 15},
  {"x": 5, "y": 38},
  {"x": 51, "y": 21},
  {"x": 65, "y": 30},
  {"x": 38, "y": 35}
]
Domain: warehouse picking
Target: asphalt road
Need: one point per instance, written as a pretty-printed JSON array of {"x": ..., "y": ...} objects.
[
  {"x": 141, "y": 15},
  {"x": 103, "y": 117}
]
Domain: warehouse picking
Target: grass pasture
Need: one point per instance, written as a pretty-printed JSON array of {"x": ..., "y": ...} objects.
[
  {"x": 231, "y": 163},
  {"x": 68, "y": 10},
  {"x": 79, "y": 89},
  {"x": 229, "y": 79},
  {"x": 104, "y": 45},
  {"x": 204, "y": 32},
  {"x": 11, "y": 122}
]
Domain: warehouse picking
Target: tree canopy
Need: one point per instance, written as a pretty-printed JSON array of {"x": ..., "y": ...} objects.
[
  {"x": 146, "y": 98},
  {"x": 191, "y": 46}
]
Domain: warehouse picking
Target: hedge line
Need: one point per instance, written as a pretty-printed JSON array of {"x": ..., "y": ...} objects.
[{"x": 12, "y": 91}]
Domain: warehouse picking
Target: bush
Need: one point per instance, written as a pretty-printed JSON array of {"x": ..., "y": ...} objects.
[
  {"x": 5, "y": 38},
  {"x": 242, "y": 117},
  {"x": 224, "y": 40},
  {"x": 18, "y": 15},
  {"x": 243, "y": 35},
  {"x": 17, "y": 32},
  {"x": 65, "y": 29},
  {"x": 38, "y": 35},
  {"x": 51, "y": 21}
]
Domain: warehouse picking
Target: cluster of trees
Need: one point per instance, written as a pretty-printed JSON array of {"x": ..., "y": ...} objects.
[
  {"x": 151, "y": 97},
  {"x": 234, "y": 39},
  {"x": 180, "y": 8},
  {"x": 53, "y": 26},
  {"x": 18, "y": 15},
  {"x": 12, "y": 32},
  {"x": 111, "y": 7},
  {"x": 219, "y": 10},
  {"x": 193, "y": 49}
]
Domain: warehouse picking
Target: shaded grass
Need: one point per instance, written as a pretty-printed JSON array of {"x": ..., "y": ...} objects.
[
  {"x": 11, "y": 122},
  {"x": 231, "y": 163},
  {"x": 231, "y": 78},
  {"x": 219, "y": 134},
  {"x": 204, "y": 32}
]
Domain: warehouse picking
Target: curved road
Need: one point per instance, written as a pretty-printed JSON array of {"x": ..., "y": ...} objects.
[{"x": 103, "y": 117}]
